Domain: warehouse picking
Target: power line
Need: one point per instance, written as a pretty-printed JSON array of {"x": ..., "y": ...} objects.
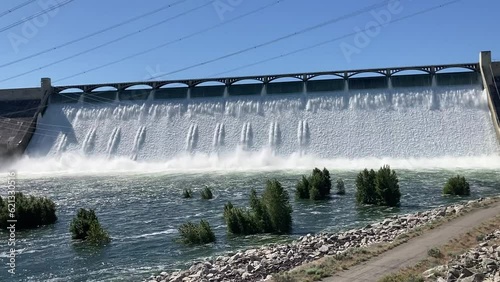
[
  {"x": 276, "y": 57},
  {"x": 101, "y": 99},
  {"x": 330, "y": 40},
  {"x": 17, "y": 7},
  {"x": 108, "y": 42},
  {"x": 234, "y": 53},
  {"x": 333, "y": 39},
  {"x": 173, "y": 41},
  {"x": 311, "y": 28},
  {"x": 94, "y": 33},
  {"x": 35, "y": 15}
]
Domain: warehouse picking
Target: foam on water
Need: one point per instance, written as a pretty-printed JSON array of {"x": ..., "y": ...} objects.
[{"x": 409, "y": 128}]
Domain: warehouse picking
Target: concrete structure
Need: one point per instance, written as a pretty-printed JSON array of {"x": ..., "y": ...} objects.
[
  {"x": 19, "y": 111},
  {"x": 490, "y": 73},
  {"x": 20, "y": 108},
  {"x": 350, "y": 75}
]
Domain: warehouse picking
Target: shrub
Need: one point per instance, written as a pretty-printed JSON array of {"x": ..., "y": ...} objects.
[
  {"x": 315, "y": 187},
  {"x": 457, "y": 186},
  {"x": 272, "y": 213},
  {"x": 187, "y": 194},
  {"x": 365, "y": 187},
  {"x": 387, "y": 187},
  {"x": 239, "y": 221},
  {"x": 340, "y": 187},
  {"x": 85, "y": 226},
  {"x": 206, "y": 194},
  {"x": 29, "y": 211},
  {"x": 196, "y": 233},
  {"x": 378, "y": 188},
  {"x": 277, "y": 203},
  {"x": 435, "y": 253},
  {"x": 302, "y": 188}
]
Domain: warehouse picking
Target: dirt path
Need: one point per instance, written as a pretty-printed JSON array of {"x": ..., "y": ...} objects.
[{"x": 414, "y": 250}]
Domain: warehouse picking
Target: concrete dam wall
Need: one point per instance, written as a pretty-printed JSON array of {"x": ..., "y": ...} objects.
[{"x": 22, "y": 109}]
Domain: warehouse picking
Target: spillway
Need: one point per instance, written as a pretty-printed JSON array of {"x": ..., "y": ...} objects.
[{"x": 408, "y": 123}]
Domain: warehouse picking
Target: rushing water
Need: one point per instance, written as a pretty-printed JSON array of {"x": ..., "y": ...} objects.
[
  {"x": 130, "y": 161},
  {"x": 142, "y": 213}
]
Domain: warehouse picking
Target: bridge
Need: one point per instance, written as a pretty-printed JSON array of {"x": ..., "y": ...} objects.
[
  {"x": 20, "y": 108},
  {"x": 345, "y": 75}
]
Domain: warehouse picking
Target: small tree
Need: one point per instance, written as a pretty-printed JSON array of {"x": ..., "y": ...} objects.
[
  {"x": 315, "y": 187},
  {"x": 302, "y": 189},
  {"x": 340, "y": 187},
  {"x": 197, "y": 234},
  {"x": 365, "y": 187},
  {"x": 378, "y": 188},
  {"x": 206, "y": 194},
  {"x": 272, "y": 213},
  {"x": 387, "y": 187},
  {"x": 187, "y": 194},
  {"x": 85, "y": 226},
  {"x": 457, "y": 186},
  {"x": 239, "y": 221},
  {"x": 30, "y": 211},
  {"x": 277, "y": 203}
]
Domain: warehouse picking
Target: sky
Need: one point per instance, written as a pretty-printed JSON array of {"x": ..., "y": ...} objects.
[{"x": 207, "y": 38}]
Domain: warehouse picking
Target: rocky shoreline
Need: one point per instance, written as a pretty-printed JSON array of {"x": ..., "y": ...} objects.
[
  {"x": 259, "y": 264},
  {"x": 481, "y": 263}
]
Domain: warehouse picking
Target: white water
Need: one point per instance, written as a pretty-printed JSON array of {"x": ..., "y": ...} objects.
[{"x": 409, "y": 128}]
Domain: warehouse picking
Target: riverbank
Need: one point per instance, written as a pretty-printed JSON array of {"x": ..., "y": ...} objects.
[{"x": 261, "y": 263}]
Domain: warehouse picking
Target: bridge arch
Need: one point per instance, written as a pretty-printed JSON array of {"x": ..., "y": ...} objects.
[
  {"x": 415, "y": 71},
  {"x": 239, "y": 81},
  {"x": 277, "y": 79},
  {"x": 100, "y": 88},
  {"x": 171, "y": 84},
  {"x": 315, "y": 77},
  {"x": 72, "y": 90},
  {"x": 367, "y": 73},
  {"x": 451, "y": 69},
  {"x": 209, "y": 83},
  {"x": 138, "y": 87}
]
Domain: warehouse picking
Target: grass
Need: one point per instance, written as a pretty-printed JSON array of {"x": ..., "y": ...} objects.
[{"x": 330, "y": 265}]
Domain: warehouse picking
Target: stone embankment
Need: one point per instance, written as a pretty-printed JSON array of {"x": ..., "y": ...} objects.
[
  {"x": 481, "y": 263},
  {"x": 259, "y": 264}
]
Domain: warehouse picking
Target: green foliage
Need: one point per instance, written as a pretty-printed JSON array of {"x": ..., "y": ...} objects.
[
  {"x": 378, "y": 188},
  {"x": 85, "y": 226},
  {"x": 239, "y": 221},
  {"x": 187, "y": 194},
  {"x": 29, "y": 211},
  {"x": 272, "y": 213},
  {"x": 197, "y": 234},
  {"x": 340, "y": 187},
  {"x": 365, "y": 187},
  {"x": 206, "y": 194},
  {"x": 315, "y": 187},
  {"x": 435, "y": 253},
  {"x": 457, "y": 186},
  {"x": 387, "y": 187},
  {"x": 302, "y": 189},
  {"x": 276, "y": 201}
]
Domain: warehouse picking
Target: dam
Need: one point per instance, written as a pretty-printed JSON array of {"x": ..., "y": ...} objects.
[
  {"x": 128, "y": 150},
  {"x": 404, "y": 112}
]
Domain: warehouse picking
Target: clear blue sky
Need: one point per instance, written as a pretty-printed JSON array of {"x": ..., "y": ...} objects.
[{"x": 452, "y": 34}]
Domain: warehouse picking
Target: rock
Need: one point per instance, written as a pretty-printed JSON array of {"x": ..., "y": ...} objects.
[
  {"x": 323, "y": 249},
  {"x": 466, "y": 273},
  {"x": 249, "y": 268},
  {"x": 245, "y": 275}
]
